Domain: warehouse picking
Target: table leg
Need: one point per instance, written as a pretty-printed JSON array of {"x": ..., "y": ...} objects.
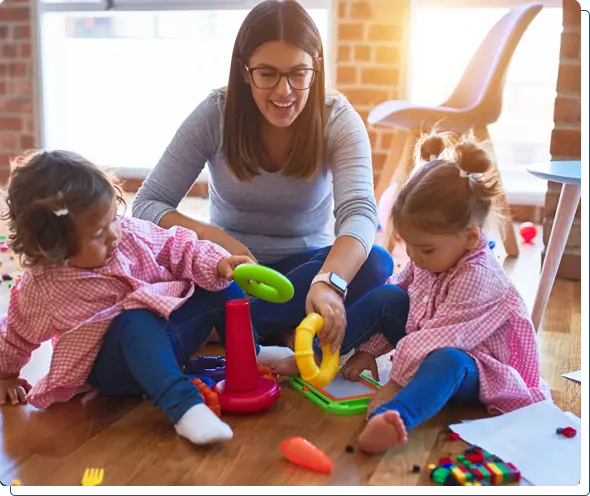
[{"x": 564, "y": 217}]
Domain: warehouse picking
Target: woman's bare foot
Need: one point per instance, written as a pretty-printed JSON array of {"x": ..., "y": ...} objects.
[
  {"x": 384, "y": 395},
  {"x": 383, "y": 432},
  {"x": 286, "y": 367}
]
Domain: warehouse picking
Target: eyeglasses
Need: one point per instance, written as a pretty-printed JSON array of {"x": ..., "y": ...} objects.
[{"x": 267, "y": 78}]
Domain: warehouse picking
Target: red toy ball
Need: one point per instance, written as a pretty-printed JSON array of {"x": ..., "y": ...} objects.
[{"x": 528, "y": 231}]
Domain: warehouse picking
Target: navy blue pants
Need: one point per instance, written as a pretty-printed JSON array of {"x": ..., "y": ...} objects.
[
  {"x": 446, "y": 373},
  {"x": 143, "y": 353},
  {"x": 270, "y": 318}
]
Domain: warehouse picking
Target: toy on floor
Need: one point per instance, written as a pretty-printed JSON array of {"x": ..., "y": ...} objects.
[
  {"x": 476, "y": 467},
  {"x": 243, "y": 390},
  {"x": 16, "y": 482},
  {"x": 211, "y": 397},
  {"x": 321, "y": 376},
  {"x": 209, "y": 366},
  {"x": 528, "y": 232},
  {"x": 566, "y": 431},
  {"x": 341, "y": 396},
  {"x": 301, "y": 452},
  {"x": 93, "y": 477},
  {"x": 266, "y": 372},
  {"x": 264, "y": 283}
]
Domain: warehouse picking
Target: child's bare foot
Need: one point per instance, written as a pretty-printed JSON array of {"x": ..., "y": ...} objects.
[
  {"x": 384, "y": 395},
  {"x": 383, "y": 432}
]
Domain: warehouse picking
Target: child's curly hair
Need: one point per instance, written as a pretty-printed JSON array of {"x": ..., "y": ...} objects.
[
  {"x": 44, "y": 184},
  {"x": 448, "y": 195}
]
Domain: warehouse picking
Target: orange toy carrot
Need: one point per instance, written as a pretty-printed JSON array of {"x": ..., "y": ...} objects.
[{"x": 301, "y": 452}]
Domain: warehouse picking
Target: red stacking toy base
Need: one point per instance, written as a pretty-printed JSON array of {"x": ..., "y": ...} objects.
[
  {"x": 264, "y": 397},
  {"x": 243, "y": 390}
]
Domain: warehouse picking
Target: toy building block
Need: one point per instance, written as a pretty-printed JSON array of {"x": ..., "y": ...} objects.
[
  {"x": 211, "y": 397},
  {"x": 266, "y": 373},
  {"x": 453, "y": 436},
  {"x": 475, "y": 467},
  {"x": 567, "y": 431}
]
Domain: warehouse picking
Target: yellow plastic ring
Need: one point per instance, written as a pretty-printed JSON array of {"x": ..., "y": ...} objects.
[{"x": 310, "y": 372}]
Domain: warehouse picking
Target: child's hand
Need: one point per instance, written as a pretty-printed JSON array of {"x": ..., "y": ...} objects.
[
  {"x": 226, "y": 267},
  {"x": 358, "y": 362},
  {"x": 14, "y": 390}
]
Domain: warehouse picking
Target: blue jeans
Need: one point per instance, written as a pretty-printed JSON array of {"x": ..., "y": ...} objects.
[
  {"x": 270, "y": 318},
  {"x": 446, "y": 373},
  {"x": 142, "y": 353}
]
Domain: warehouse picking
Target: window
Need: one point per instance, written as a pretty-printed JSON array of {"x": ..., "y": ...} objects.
[
  {"x": 443, "y": 39},
  {"x": 118, "y": 83}
]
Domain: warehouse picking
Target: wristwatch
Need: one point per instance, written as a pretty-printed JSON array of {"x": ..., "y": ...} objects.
[{"x": 333, "y": 280}]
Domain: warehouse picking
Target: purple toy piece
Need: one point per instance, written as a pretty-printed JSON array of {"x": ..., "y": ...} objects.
[{"x": 209, "y": 366}]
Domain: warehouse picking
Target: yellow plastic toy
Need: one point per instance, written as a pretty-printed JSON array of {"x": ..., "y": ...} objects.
[{"x": 310, "y": 372}]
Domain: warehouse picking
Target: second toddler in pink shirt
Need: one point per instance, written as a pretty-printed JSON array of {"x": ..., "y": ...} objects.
[
  {"x": 467, "y": 334},
  {"x": 124, "y": 302}
]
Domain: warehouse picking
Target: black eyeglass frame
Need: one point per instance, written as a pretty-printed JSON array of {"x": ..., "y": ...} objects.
[{"x": 282, "y": 75}]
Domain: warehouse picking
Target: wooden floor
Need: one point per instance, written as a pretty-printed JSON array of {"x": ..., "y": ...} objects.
[{"x": 136, "y": 445}]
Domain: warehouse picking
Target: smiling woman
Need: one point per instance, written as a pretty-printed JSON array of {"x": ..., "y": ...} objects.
[{"x": 282, "y": 157}]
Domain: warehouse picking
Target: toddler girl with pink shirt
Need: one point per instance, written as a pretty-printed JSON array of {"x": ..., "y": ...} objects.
[
  {"x": 124, "y": 302},
  {"x": 467, "y": 334}
]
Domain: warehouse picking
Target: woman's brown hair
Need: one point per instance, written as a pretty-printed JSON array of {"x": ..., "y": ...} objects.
[
  {"x": 46, "y": 191},
  {"x": 449, "y": 195},
  {"x": 285, "y": 21}
]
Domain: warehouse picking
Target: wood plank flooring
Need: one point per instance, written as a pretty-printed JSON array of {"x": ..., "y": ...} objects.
[{"x": 136, "y": 445}]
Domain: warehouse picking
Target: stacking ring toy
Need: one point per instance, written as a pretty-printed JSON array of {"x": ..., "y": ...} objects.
[
  {"x": 316, "y": 376},
  {"x": 264, "y": 283}
]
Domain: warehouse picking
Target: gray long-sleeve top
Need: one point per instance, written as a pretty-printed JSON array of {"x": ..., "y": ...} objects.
[{"x": 273, "y": 215}]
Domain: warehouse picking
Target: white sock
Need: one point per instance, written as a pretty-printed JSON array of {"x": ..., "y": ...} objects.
[
  {"x": 271, "y": 355},
  {"x": 201, "y": 426}
]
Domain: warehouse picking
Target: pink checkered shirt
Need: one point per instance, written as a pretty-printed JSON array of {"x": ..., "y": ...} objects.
[
  {"x": 476, "y": 308},
  {"x": 151, "y": 268}
]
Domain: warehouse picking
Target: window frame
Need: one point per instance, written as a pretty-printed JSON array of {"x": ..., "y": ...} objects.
[
  {"x": 135, "y": 174},
  {"x": 454, "y": 4},
  {"x": 164, "y": 5}
]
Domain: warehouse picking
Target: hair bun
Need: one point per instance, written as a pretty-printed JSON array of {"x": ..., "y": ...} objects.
[
  {"x": 472, "y": 157},
  {"x": 432, "y": 145}
]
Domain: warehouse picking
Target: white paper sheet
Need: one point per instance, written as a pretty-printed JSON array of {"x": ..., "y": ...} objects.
[
  {"x": 527, "y": 438},
  {"x": 574, "y": 376}
]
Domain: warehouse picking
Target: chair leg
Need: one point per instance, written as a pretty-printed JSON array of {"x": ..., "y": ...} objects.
[
  {"x": 562, "y": 223},
  {"x": 510, "y": 241}
]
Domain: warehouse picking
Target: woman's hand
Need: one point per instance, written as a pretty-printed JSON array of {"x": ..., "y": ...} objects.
[
  {"x": 359, "y": 362},
  {"x": 220, "y": 237},
  {"x": 322, "y": 299},
  {"x": 14, "y": 389},
  {"x": 226, "y": 267}
]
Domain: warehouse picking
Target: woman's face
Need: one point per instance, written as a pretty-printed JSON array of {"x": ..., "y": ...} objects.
[{"x": 281, "y": 104}]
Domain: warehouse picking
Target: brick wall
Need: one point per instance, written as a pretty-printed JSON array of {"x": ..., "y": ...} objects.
[
  {"x": 371, "y": 42},
  {"x": 18, "y": 122},
  {"x": 566, "y": 136}
]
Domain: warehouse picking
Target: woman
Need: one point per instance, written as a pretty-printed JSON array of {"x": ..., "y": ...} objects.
[{"x": 282, "y": 157}]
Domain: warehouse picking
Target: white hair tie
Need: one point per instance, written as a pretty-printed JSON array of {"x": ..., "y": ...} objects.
[
  {"x": 61, "y": 212},
  {"x": 475, "y": 176}
]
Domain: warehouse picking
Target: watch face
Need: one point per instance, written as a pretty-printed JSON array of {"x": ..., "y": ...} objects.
[{"x": 337, "y": 281}]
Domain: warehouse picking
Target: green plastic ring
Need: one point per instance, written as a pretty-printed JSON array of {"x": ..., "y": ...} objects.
[{"x": 264, "y": 283}]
